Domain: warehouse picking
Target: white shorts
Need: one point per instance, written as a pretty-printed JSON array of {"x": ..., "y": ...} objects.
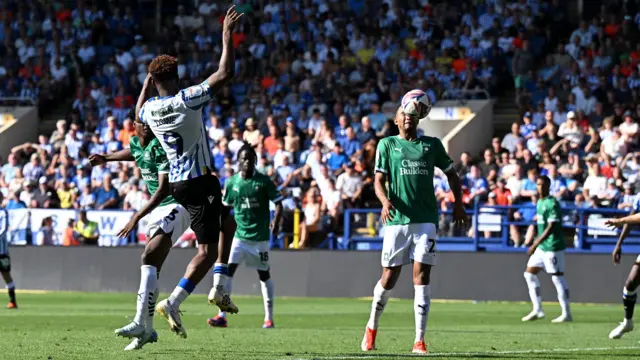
[
  {"x": 172, "y": 219},
  {"x": 551, "y": 261},
  {"x": 638, "y": 260},
  {"x": 254, "y": 254},
  {"x": 403, "y": 243}
]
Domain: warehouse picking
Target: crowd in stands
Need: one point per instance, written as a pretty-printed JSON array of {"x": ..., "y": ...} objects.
[{"x": 317, "y": 84}]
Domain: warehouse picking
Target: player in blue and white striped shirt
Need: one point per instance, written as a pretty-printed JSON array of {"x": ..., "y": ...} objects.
[
  {"x": 5, "y": 260},
  {"x": 175, "y": 118}
]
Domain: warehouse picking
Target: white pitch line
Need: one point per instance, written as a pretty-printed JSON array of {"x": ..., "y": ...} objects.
[{"x": 485, "y": 353}]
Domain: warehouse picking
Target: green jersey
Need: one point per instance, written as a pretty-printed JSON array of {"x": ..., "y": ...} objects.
[
  {"x": 548, "y": 211},
  {"x": 409, "y": 168},
  {"x": 250, "y": 201},
  {"x": 152, "y": 160}
]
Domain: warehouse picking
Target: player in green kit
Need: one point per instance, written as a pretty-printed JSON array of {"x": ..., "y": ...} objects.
[
  {"x": 167, "y": 221},
  {"x": 410, "y": 215},
  {"x": 249, "y": 193},
  {"x": 547, "y": 252}
]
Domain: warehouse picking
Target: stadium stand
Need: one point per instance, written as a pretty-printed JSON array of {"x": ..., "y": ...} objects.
[{"x": 318, "y": 83}]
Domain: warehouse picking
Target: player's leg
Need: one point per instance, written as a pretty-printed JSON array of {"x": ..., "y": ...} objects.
[
  {"x": 220, "y": 269},
  {"x": 423, "y": 255},
  {"x": 395, "y": 254},
  {"x": 172, "y": 221},
  {"x": 220, "y": 320},
  {"x": 534, "y": 265},
  {"x": 8, "y": 280},
  {"x": 258, "y": 258},
  {"x": 155, "y": 252},
  {"x": 629, "y": 297},
  {"x": 267, "y": 289},
  {"x": 554, "y": 266}
]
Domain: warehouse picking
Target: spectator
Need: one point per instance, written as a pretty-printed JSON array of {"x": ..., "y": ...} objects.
[
  {"x": 571, "y": 132},
  {"x": 216, "y": 131},
  {"x": 65, "y": 194},
  {"x": 350, "y": 185},
  {"x": 595, "y": 185},
  {"x": 252, "y": 135},
  {"x": 512, "y": 139},
  {"x": 106, "y": 196},
  {"x": 127, "y": 131},
  {"x": 134, "y": 200},
  {"x": 87, "y": 199},
  {"x": 332, "y": 204},
  {"x": 272, "y": 142},
  {"x": 337, "y": 160},
  {"x": 86, "y": 231},
  {"x": 351, "y": 145},
  {"x": 47, "y": 235},
  {"x": 312, "y": 214},
  {"x": 613, "y": 147},
  {"x": 477, "y": 185}
]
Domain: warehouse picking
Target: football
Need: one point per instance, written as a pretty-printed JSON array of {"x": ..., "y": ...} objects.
[{"x": 416, "y": 102}]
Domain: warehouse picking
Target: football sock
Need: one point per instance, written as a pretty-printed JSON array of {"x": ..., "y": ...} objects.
[
  {"x": 421, "y": 305},
  {"x": 220, "y": 274},
  {"x": 181, "y": 292},
  {"x": 267, "y": 297},
  {"x": 11, "y": 288},
  {"x": 152, "y": 309},
  {"x": 146, "y": 293},
  {"x": 533, "y": 283},
  {"x": 629, "y": 302},
  {"x": 229, "y": 286},
  {"x": 563, "y": 293},
  {"x": 380, "y": 298}
]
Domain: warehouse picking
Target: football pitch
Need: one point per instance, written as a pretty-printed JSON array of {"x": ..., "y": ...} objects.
[{"x": 80, "y": 326}]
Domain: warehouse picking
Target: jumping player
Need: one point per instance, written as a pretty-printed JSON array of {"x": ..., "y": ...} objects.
[
  {"x": 410, "y": 215},
  {"x": 5, "y": 260},
  {"x": 175, "y": 117},
  {"x": 547, "y": 252},
  {"x": 249, "y": 193},
  {"x": 629, "y": 295}
]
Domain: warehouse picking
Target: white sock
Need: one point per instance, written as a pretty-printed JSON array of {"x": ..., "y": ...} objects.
[
  {"x": 229, "y": 287},
  {"x": 267, "y": 297},
  {"x": 10, "y": 286},
  {"x": 380, "y": 298},
  {"x": 146, "y": 292},
  {"x": 563, "y": 293},
  {"x": 421, "y": 305},
  {"x": 533, "y": 283},
  {"x": 152, "y": 309},
  {"x": 178, "y": 296},
  {"x": 220, "y": 279}
]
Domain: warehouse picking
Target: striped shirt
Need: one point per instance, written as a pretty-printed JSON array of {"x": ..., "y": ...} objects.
[
  {"x": 4, "y": 232},
  {"x": 177, "y": 123}
]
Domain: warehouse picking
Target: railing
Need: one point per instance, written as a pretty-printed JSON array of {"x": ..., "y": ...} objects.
[{"x": 489, "y": 230}]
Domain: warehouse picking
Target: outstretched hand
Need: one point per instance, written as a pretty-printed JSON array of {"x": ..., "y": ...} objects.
[
  {"x": 231, "y": 19},
  {"x": 614, "y": 223}
]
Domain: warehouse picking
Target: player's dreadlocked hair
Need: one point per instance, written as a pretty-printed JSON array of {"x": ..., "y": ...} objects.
[
  {"x": 163, "y": 68},
  {"x": 247, "y": 147}
]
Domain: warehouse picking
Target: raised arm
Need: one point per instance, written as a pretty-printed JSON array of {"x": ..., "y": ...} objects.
[
  {"x": 145, "y": 94},
  {"x": 226, "y": 69},
  {"x": 122, "y": 155}
]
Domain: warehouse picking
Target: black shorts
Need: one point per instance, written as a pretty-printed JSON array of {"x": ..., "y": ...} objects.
[
  {"x": 5, "y": 263},
  {"x": 202, "y": 197}
]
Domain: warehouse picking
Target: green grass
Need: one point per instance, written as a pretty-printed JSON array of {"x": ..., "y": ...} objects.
[{"x": 80, "y": 326}]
